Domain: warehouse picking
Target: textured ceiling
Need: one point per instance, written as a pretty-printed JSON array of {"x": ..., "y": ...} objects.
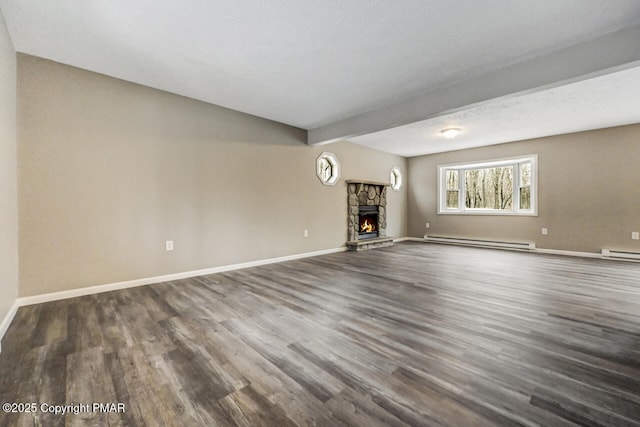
[
  {"x": 305, "y": 63},
  {"x": 601, "y": 102}
]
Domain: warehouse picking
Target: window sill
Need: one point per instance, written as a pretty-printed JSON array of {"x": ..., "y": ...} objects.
[{"x": 488, "y": 213}]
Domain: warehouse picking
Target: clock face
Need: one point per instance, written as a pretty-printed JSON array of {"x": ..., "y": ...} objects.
[
  {"x": 328, "y": 168},
  {"x": 395, "y": 178}
]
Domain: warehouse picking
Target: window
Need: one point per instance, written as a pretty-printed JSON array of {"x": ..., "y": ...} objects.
[
  {"x": 498, "y": 187},
  {"x": 395, "y": 178},
  {"x": 328, "y": 168}
]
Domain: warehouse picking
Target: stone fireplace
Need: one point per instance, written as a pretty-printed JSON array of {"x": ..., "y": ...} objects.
[{"x": 367, "y": 215}]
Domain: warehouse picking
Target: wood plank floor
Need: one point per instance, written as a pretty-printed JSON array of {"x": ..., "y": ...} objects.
[{"x": 415, "y": 334}]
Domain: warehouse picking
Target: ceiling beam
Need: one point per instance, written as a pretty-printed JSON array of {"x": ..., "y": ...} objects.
[{"x": 604, "y": 55}]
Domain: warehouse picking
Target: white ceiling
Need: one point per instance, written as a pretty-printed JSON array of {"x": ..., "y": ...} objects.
[
  {"x": 600, "y": 102},
  {"x": 314, "y": 63}
]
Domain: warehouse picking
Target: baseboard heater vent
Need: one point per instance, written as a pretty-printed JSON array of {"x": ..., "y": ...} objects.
[
  {"x": 610, "y": 253},
  {"x": 482, "y": 243}
]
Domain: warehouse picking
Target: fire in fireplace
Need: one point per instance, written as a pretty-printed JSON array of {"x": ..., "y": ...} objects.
[{"x": 368, "y": 222}]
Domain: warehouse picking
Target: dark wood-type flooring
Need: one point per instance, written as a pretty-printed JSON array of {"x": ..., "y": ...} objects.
[{"x": 416, "y": 334}]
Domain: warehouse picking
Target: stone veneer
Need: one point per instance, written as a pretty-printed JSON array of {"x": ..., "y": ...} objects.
[{"x": 369, "y": 194}]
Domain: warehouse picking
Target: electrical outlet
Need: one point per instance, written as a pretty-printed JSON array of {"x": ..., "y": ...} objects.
[
  {"x": 306, "y": 233},
  {"x": 168, "y": 245},
  {"x": 427, "y": 225},
  {"x": 544, "y": 231},
  {"x": 635, "y": 235}
]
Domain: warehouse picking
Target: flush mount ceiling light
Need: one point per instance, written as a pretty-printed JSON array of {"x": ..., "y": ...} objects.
[{"x": 450, "y": 133}]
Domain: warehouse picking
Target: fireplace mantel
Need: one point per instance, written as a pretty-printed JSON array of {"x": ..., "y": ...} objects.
[{"x": 359, "y": 181}]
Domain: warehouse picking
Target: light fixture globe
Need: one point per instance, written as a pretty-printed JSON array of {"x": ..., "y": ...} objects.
[{"x": 450, "y": 133}]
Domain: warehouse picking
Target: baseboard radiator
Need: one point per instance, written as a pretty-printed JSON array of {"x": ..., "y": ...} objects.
[
  {"x": 610, "y": 253},
  {"x": 481, "y": 243}
]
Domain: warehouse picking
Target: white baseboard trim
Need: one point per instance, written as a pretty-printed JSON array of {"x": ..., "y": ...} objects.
[
  {"x": 7, "y": 321},
  {"x": 555, "y": 252},
  {"x": 72, "y": 293},
  {"x": 568, "y": 253},
  {"x": 583, "y": 255},
  {"x": 498, "y": 244},
  {"x": 408, "y": 239}
]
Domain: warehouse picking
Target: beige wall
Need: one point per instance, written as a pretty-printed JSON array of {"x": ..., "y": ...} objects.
[
  {"x": 109, "y": 170},
  {"x": 8, "y": 197},
  {"x": 588, "y": 192}
]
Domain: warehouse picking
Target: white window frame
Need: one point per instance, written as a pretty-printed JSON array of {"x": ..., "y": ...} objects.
[
  {"x": 463, "y": 167},
  {"x": 328, "y": 161},
  {"x": 395, "y": 178}
]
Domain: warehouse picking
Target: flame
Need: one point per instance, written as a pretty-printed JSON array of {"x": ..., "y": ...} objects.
[{"x": 366, "y": 227}]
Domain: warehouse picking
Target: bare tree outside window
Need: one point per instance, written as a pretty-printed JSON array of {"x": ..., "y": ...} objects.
[
  {"x": 489, "y": 188},
  {"x": 525, "y": 186},
  {"x": 452, "y": 189}
]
